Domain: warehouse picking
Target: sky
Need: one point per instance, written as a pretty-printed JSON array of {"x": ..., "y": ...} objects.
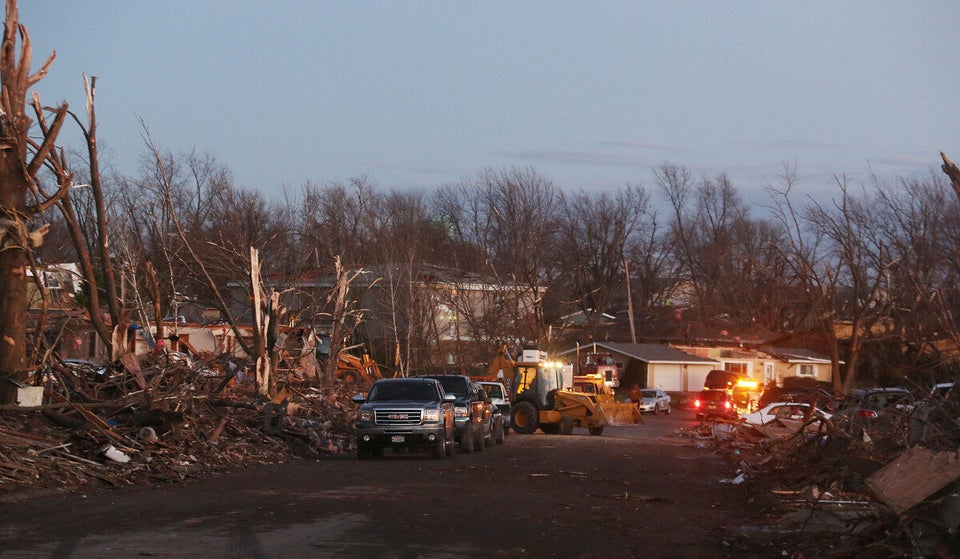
[{"x": 591, "y": 95}]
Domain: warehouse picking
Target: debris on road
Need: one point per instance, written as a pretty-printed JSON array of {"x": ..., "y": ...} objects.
[
  {"x": 162, "y": 421},
  {"x": 839, "y": 488}
]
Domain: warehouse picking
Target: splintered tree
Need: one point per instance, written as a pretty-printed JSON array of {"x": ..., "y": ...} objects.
[{"x": 20, "y": 161}]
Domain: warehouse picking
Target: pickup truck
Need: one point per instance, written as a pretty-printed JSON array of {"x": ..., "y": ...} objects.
[
  {"x": 501, "y": 402},
  {"x": 472, "y": 411},
  {"x": 404, "y": 413}
]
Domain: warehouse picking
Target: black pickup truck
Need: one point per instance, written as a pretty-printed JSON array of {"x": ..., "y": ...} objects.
[
  {"x": 405, "y": 413},
  {"x": 472, "y": 411}
]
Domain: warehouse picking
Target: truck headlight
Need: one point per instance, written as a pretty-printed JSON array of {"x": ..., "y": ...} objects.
[
  {"x": 431, "y": 415},
  {"x": 365, "y": 415},
  {"x": 461, "y": 411}
]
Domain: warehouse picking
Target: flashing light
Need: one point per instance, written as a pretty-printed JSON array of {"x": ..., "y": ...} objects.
[
  {"x": 747, "y": 383},
  {"x": 696, "y": 403}
]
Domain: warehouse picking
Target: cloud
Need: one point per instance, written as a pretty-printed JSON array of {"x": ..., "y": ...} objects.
[
  {"x": 419, "y": 170},
  {"x": 907, "y": 161},
  {"x": 576, "y": 157},
  {"x": 792, "y": 144},
  {"x": 641, "y": 145}
]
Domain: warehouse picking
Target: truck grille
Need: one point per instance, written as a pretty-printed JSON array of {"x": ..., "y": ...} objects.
[{"x": 399, "y": 416}]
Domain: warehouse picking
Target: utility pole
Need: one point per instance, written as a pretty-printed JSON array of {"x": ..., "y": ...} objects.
[{"x": 633, "y": 330}]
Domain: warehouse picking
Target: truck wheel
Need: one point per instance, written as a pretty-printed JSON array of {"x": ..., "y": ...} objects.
[
  {"x": 499, "y": 433},
  {"x": 451, "y": 444},
  {"x": 363, "y": 452},
  {"x": 566, "y": 424},
  {"x": 440, "y": 449},
  {"x": 466, "y": 440},
  {"x": 596, "y": 430},
  {"x": 525, "y": 418},
  {"x": 377, "y": 452}
]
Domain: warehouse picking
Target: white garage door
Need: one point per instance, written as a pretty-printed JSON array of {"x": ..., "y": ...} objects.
[
  {"x": 696, "y": 376},
  {"x": 667, "y": 377}
]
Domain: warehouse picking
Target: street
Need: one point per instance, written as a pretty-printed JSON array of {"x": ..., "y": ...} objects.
[{"x": 638, "y": 490}]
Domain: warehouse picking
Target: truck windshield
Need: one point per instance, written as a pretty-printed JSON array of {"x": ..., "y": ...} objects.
[
  {"x": 412, "y": 391},
  {"x": 493, "y": 390},
  {"x": 454, "y": 385}
]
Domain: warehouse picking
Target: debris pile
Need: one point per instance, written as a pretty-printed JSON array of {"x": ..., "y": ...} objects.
[
  {"x": 166, "y": 421},
  {"x": 845, "y": 487}
]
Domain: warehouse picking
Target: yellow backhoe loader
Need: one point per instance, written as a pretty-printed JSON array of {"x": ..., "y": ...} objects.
[{"x": 546, "y": 397}]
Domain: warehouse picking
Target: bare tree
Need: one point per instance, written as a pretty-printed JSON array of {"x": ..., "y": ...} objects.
[
  {"x": 595, "y": 233},
  {"x": 511, "y": 217}
]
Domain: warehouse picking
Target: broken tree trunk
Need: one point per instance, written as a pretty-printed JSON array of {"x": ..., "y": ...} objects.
[{"x": 16, "y": 176}]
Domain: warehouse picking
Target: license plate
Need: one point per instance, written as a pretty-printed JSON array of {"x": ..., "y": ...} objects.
[{"x": 396, "y": 439}]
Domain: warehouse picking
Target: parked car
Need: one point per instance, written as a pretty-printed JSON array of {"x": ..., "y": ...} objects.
[
  {"x": 472, "y": 411},
  {"x": 715, "y": 403},
  {"x": 500, "y": 400},
  {"x": 941, "y": 390},
  {"x": 796, "y": 411},
  {"x": 871, "y": 403},
  {"x": 654, "y": 401},
  {"x": 875, "y": 409},
  {"x": 404, "y": 413}
]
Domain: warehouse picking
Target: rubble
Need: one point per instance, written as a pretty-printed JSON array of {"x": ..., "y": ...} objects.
[
  {"x": 162, "y": 422},
  {"x": 889, "y": 489}
]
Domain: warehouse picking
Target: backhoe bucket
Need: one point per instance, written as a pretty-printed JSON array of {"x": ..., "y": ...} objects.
[{"x": 621, "y": 413}]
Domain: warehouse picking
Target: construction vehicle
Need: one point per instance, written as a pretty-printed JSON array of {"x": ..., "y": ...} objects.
[
  {"x": 603, "y": 365},
  {"x": 617, "y": 413},
  {"x": 545, "y": 397},
  {"x": 356, "y": 370}
]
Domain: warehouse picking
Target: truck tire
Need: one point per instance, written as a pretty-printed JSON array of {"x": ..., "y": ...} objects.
[
  {"x": 451, "y": 444},
  {"x": 550, "y": 428},
  {"x": 440, "y": 449},
  {"x": 566, "y": 424},
  {"x": 499, "y": 433},
  {"x": 525, "y": 419},
  {"x": 363, "y": 452},
  {"x": 466, "y": 440},
  {"x": 596, "y": 430}
]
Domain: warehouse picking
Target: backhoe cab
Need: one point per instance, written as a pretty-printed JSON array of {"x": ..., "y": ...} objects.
[{"x": 543, "y": 398}]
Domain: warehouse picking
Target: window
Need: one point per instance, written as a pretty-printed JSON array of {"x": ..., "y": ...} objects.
[
  {"x": 51, "y": 280},
  {"x": 739, "y": 368},
  {"x": 806, "y": 370}
]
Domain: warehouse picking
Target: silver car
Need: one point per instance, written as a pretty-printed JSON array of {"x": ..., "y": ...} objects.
[{"x": 654, "y": 401}]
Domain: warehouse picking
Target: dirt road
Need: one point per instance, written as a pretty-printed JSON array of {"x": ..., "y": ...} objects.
[{"x": 635, "y": 491}]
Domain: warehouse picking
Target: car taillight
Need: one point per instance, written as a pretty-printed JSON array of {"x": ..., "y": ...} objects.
[
  {"x": 870, "y": 414},
  {"x": 727, "y": 404},
  {"x": 696, "y": 403}
]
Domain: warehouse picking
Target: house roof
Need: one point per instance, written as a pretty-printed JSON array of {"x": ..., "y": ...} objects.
[
  {"x": 648, "y": 353},
  {"x": 795, "y": 354}
]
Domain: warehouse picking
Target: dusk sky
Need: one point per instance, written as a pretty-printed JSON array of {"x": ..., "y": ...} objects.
[{"x": 591, "y": 95}]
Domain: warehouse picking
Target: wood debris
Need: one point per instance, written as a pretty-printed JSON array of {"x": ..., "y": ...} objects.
[
  {"x": 162, "y": 421},
  {"x": 885, "y": 489}
]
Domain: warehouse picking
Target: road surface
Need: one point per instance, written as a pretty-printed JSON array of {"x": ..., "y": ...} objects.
[{"x": 636, "y": 491}]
